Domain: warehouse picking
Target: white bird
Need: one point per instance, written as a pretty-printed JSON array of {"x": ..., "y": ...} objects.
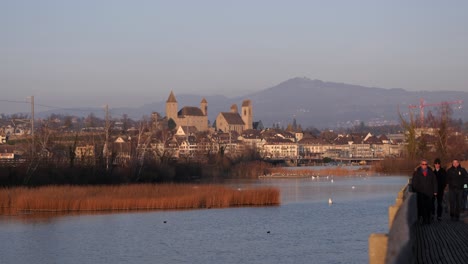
[
  {"x": 353, "y": 187},
  {"x": 332, "y": 180},
  {"x": 330, "y": 201}
]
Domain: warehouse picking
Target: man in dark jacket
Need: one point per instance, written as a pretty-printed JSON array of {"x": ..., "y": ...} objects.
[
  {"x": 424, "y": 183},
  {"x": 441, "y": 176},
  {"x": 456, "y": 176}
]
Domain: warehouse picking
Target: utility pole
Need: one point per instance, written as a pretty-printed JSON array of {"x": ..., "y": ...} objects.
[
  {"x": 106, "y": 150},
  {"x": 32, "y": 125}
]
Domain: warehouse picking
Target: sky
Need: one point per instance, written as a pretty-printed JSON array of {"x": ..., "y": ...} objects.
[{"x": 130, "y": 53}]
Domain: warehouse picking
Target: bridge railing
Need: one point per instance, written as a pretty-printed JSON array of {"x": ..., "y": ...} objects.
[{"x": 395, "y": 247}]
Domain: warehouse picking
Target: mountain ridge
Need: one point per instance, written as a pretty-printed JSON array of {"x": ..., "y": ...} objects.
[{"x": 311, "y": 102}]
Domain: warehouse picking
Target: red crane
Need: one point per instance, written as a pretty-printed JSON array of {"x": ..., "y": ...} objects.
[{"x": 422, "y": 105}]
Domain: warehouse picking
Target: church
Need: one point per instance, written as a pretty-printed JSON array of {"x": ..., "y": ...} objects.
[{"x": 233, "y": 121}]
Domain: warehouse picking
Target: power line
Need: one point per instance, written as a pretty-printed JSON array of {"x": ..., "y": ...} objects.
[
  {"x": 13, "y": 101},
  {"x": 56, "y": 107},
  {"x": 68, "y": 109}
]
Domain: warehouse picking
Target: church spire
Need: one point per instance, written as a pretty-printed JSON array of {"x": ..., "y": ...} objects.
[{"x": 171, "y": 98}]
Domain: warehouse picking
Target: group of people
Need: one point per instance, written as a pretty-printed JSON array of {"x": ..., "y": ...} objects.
[{"x": 430, "y": 183}]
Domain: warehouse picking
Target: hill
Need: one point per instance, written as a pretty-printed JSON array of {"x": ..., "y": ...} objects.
[
  {"x": 328, "y": 104},
  {"x": 313, "y": 103}
]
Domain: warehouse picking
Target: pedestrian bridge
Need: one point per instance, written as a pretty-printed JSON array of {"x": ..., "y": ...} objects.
[{"x": 410, "y": 242}]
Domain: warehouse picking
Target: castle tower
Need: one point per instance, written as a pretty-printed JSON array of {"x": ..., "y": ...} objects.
[
  {"x": 247, "y": 115},
  {"x": 234, "y": 109},
  {"x": 204, "y": 106},
  {"x": 171, "y": 107}
]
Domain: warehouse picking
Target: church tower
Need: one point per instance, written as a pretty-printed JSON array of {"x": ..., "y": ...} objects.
[
  {"x": 234, "y": 109},
  {"x": 247, "y": 115},
  {"x": 171, "y": 107},
  {"x": 204, "y": 106}
]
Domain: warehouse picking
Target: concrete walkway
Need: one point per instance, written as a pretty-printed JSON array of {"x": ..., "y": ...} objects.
[{"x": 441, "y": 242}]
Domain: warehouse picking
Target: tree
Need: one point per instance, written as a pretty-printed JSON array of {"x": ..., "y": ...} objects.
[
  {"x": 312, "y": 130},
  {"x": 142, "y": 147},
  {"x": 442, "y": 126},
  {"x": 362, "y": 127},
  {"x": 410, "y": 134},
  {"x": 91, "y": 120},
  {"x": 171, "y": 124},
  {"x": 422, "y": 148},
  {"x": 125, "y": 122},
  {"x": 68, "y": 122}
]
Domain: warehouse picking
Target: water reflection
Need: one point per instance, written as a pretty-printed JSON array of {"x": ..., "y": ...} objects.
[{"x": 319, "y": 189}]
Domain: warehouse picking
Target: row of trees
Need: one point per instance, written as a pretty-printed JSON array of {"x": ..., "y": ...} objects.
[
  {"x": 438, "y": 136},
  {"x": 51, "y": 158}
]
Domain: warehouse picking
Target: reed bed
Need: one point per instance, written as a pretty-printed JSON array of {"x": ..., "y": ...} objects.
[
  {"x": 131, "y": 197},
  {"x": 335, "y": 171}
]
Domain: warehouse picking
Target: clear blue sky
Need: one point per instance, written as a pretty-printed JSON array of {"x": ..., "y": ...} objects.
[{"x": 128, "y": 53}]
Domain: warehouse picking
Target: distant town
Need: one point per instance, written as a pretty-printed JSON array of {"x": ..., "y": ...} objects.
[{"x": 184, "y": 133}]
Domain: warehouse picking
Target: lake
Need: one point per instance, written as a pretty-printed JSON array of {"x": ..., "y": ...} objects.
[{"x": 303, "y": 229}]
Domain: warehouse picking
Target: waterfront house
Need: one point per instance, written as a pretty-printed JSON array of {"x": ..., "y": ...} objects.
[
  {"x": 85, "y": 154},
  {"x": 121, "y": 150},
  {"x": 313, "y": 148},
  {"x": 280, "y": 148},
  {"x": 186, "y": 130},
  {"x": 252, "y": 139},
  {"x": 7, "y": 152}
]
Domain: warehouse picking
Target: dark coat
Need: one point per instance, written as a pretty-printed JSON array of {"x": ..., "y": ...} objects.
[
  {"x": 424, "y": 184},
  {"x": 441, "y": 176},
  {"x": 456, "y": 177}
]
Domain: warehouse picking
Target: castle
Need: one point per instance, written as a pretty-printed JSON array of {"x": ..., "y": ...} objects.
[{"x": 190, "y": 116}]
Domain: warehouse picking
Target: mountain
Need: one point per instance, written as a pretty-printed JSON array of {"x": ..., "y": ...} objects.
[
  {"x": 311, "y": 102},
  {"x": 327, "y": 104}
]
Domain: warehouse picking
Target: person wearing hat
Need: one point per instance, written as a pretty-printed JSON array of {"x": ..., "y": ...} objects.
[
  {"x": 456, "y": 176},
  {"x": 441, "y": 176}
]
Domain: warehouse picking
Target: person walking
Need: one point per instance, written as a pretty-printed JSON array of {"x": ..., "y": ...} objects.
[
  {"x": 456, "y": 176},
  {"x": 465, "y": 196},
  {"x": 441, "y": 176},
  {"x": 424, "y": 183}
]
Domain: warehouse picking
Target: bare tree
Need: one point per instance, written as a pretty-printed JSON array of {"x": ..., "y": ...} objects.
[
  {"x": 68, "y": 122},
  {"x": 410, "y": 134},
  {"x": 442, "y": 126},
  {"x": 142, "y": 146},
  {"x": 41, "y": 143}
]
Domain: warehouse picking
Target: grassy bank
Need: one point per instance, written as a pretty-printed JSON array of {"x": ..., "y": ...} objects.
[{"x": 131, "y": 197}]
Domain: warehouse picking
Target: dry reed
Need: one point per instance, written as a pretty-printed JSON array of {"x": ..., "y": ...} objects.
[{"x": 131, "y": 197}]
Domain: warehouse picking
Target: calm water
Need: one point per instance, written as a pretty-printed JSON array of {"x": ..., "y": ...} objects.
[{"x": 304, "y": 229}]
